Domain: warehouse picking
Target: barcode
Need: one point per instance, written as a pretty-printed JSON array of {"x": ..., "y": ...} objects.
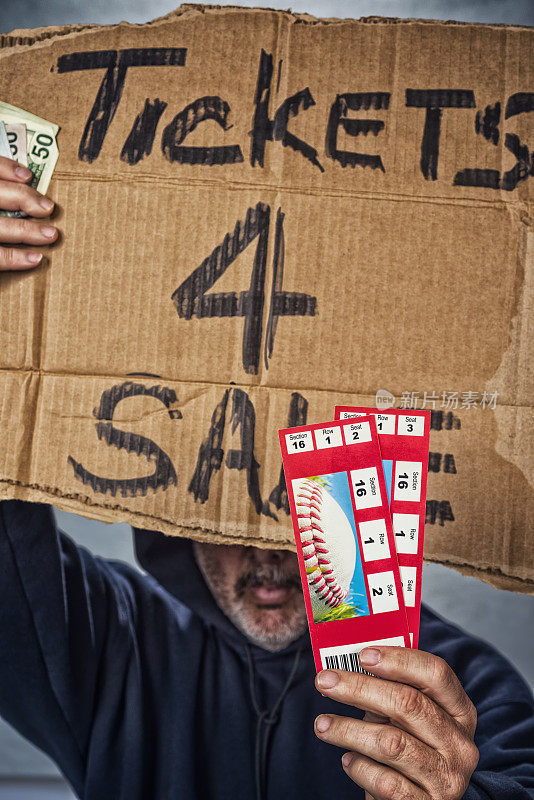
[
  {"x": 347, "y": 658},
  {"x": 348, "y": 661}
]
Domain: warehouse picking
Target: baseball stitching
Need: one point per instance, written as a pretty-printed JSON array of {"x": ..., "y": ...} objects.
[{"x": 316, "y": 561}]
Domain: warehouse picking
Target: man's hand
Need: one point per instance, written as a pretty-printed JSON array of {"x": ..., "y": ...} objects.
[
  {"x": 15, "y": 195},
  {"x": 416, "y": 739}
]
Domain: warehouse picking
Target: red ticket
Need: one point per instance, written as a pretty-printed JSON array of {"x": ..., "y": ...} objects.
[
  {"x": 404, "y": 442},
  {"x": 344, "y": 535}
]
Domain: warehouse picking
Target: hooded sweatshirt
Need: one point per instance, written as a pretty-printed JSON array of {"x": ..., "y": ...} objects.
[{"x": 140, "y": 688}]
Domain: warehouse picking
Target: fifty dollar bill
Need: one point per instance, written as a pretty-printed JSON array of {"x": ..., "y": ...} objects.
[
  {"x": 41, "y": 146},
  {"x": 17, "y": 137}
]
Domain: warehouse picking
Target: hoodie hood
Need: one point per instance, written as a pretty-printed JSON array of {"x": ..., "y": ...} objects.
[{"x": 171, "y": 561}]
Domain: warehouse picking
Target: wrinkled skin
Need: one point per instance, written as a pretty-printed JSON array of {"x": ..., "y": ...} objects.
[
  {"x": 15, "y": 195},
  {"x": 416, "y": 739}
]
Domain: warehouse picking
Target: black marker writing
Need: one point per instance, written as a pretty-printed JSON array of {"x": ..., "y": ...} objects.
[
  {"x": 444, "y": 421},
  {"x": 164, "y": 473},
  {"x": 354, "y": 127},
  {"x": 298, "y": 415},
  {"x": 192, "y": 297},
  {"x": 276, "y": 128},
  {"x": 141, "y": 137},
  {"x": 116, "y": 63},
  {"x": 438, "y": 511},
  {"x": 266, "y": 130},
  {"x": 439, "y": 461},
  {"x": 519, "y": 103},
  {"x": 244, "y": 417},
  {"x": 205, "y": 108},
  {"x": 211, "y": 452},
  {"x": 487, "y": 124},
  {"x": 434, "y": 100}
]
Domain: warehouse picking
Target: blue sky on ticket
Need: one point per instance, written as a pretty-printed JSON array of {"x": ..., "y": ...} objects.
[
  {"x": 387, "y": 466},
  {"x": 337, "y": 484}
]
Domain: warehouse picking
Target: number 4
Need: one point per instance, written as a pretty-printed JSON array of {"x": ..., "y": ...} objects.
[{"x": 191, "y": 298}]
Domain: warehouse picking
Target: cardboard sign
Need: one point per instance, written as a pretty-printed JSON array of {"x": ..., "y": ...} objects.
[
  {"x": 344, "y": 537},
  {"x": 263, "y": 216},
  {"x": 403, "y": 439}
]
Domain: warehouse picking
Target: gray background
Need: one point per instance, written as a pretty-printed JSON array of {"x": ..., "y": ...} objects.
[{"x": 503, "y": 618}]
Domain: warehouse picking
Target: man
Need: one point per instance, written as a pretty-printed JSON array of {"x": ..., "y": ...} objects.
[{"x": 197, "y": 681}]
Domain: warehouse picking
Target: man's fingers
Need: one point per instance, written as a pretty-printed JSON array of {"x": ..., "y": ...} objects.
[
  {"x": 26, "y": 231},
  {"x": 13, "y": 171},
  {"x": 406, "y": 707},
  {"x": 385, "y": 744},
  {"x": 19, "y": 197},
  {"x": 369, "y": 716},
  {"x": 382, "y": 783},
  {"x": 16, "y": 195},
  {"x": 426, "y": 672},
  {"x": 14, "y": 258}
]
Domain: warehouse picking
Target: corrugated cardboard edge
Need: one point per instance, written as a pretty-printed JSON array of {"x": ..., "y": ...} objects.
[
  {"x": 494, "y": 577},
  {"x": 187, "y": 530},
  {"x": 491, "y": 575},
  {"x": 518, "y": 361},
  {"x": 30, "y": 36}
]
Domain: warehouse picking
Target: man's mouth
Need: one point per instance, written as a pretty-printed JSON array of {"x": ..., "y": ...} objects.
[
  {"x": 268, "y": 587},
  {"x": 270, "y": 595}
]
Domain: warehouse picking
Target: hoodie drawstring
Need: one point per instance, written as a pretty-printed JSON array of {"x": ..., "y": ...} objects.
[{"x": 268, "y": 719}]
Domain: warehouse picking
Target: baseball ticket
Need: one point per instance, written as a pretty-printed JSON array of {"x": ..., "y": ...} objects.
[
  {"x": 404, "y": 442},
  {"x": 344, "y": 536}
]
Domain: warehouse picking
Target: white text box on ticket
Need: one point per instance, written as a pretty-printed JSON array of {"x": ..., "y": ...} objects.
[
  {"x": 406, "y": 530},
  {"x": 328, "y": 437},
  {"x": 385, "y": 423},
  {"x": 374, "y": 538},
  {"x": 411, "y": 425},
  {"x": 409, "y": 578},
  {"x": 408, "y": 480},
  {"x": 299, "y": 442},
  {"x": 382, "y": 592},
  {"x": 366, "y": 488},
  {"x": 357, "y": 432}
]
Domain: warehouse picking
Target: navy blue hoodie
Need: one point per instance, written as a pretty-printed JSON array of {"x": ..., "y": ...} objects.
[{"x": 139, "y": 687}]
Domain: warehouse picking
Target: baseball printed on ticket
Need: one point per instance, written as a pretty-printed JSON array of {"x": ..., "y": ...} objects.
[{"x": 344, "y": 537}]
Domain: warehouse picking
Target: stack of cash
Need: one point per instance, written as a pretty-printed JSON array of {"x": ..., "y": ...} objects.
[{"x": 31, "y": 141}]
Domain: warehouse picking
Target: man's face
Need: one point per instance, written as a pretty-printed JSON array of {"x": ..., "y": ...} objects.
[{"x": 259, "y": 590}]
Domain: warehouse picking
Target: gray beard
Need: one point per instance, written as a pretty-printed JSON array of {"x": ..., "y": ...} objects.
[
  {"x": 278, "y": 639},
  {"x": 247, "y": 618}
]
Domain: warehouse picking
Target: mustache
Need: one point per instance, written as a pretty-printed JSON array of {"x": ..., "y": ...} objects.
[{"x": 273, "y": 574}]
